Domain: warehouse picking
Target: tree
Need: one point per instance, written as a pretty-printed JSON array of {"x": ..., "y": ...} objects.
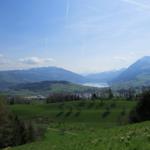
[
  {"x": 13, "y": 131},
  {"x": 142, "y": 111},
  {"x": 94, "y": 96},
  {"x": 110, "y": 94}
]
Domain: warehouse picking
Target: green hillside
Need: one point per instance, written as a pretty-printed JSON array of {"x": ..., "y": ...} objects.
[
  {"x": 47, "y": 87},
  {"x": 85, "y": 126},
  {"x": 133, "y": 137},
  {"x": 91, "y": 112}
]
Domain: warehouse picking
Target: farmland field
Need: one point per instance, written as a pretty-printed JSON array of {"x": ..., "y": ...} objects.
[{"x": 88, "y": 125}]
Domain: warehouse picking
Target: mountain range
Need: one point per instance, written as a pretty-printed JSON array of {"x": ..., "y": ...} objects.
[
  {"x": 138, "y": 74},
  {"x": 8, "y": 78}
]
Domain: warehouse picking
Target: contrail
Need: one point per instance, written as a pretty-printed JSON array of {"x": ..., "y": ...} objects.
[{"x": 67, "y": 9}]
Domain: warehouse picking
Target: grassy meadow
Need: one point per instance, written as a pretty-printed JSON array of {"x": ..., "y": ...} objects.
[{"x": 85, "y": 125}]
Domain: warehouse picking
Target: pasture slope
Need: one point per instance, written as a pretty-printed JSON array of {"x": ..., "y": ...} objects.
[{"x": 98, "y": 125}]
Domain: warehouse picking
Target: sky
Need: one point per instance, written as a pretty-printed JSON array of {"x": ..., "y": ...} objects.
[{"x": 84, "y": 36}]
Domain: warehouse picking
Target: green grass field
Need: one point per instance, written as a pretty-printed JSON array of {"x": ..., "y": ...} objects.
[{"x": 85, "y": 126}]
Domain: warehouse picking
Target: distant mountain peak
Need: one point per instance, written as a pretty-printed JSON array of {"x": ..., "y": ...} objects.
[
  {"x": 143, "y": 62},
  {"x": 137, "y": 74},
  {"x": 145, "y": 58}
]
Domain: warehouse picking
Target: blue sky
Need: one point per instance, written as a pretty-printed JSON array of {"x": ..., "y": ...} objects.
[{"x": 79, "y": 35}]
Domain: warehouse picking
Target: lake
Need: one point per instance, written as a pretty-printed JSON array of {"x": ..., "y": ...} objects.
[{"x": 99, "y": 85}]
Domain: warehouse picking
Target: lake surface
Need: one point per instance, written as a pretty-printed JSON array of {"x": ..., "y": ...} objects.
[{"x": 99, "y": 85}]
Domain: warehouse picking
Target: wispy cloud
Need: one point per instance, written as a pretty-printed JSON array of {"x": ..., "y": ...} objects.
[
  {"x": 139, "y": 4},
  {"x": 36, "y": 60},
  {"x": 6, "y": 63}
]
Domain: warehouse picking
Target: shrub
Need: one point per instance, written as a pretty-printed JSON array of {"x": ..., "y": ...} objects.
[
  {"x": 81, "y": 104},
  {"x": 59, "y": 114},
  {"x": 69, "y": 112},
  {"x": 113, "y": 105},
  {"x": 77, "y": 114},
  {"x": 123, "y": 112},
  {"x": 106, "y": 112},
  {"x": 90, "y": 105}
]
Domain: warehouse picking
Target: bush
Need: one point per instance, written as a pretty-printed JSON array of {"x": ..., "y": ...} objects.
[
  {"x": 106, "y": 112},
  {"x": 59, "y": 114},
  {"x": 81, "y": 104},
  {"x": 77, "y": 114},
  {"x": 113, "y": 105},
  {"x": 142, "y": 111},
  {"x": 90, "y": 105}
]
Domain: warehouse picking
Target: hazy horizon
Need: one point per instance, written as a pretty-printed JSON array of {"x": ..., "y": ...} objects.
[
  {"x": 81, "y": 73},
  {"x": 83, "y": 36}
]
